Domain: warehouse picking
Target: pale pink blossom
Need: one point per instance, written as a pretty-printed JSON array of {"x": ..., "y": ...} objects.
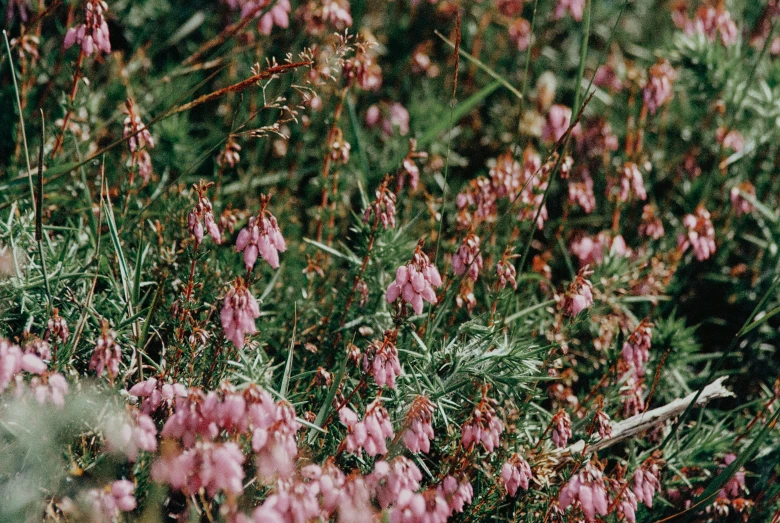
[
  {"x": 603, "y": 424},
  {"x": 732, "y": 139},
  {"x": 579, "y": 296},
  {"x": 520, "y": 33},
  {"x": 658, "y": 90},
  {"x": 741, "y": 204},
  {"x": 155, "y": 393},
  {"x": 557, "y": 123},
  {"x": 468, "y": 258},
  {"x": 561, "y": 429},
  {"x": 736, "y": 484},
  {"x": 419, "y": 430},
  {"x": 575, "y": 7},
  {"x": 586, "y": 487},
  {"x": 700, "y": 234},
  {"x": 383, "y": 207},
  {"x": 201, "y": 217},
  {"x": 636, "y": 349},
  {"x": 415, "y": 282},
  {"x": 107, "y": 503},
  {"x": 93, "y": 33},
  {"x": 456, "y": 493},
  {"x": 261, "y": 236},
  {"x": 651, "y": 225},
  {"x": 273, "y": 437},
  {"x": 131, "y": 434},
  {"x": 647, "y": 481},
  {"x": 107, "y": 354},
  {"x": 427, "y": 507},
  {"x": 56, "y": 326},
  {"x": 516, "y": 473},
  {"x": 631, "y": 181},
  {"x": 371, "y": 434},
  {"x": 506, "y": 273},
  {"x": 214, "y": 467},
  {"x": 483, "y": 427},
  {"x": 390, "y": 479},
  {"x": 581, "y": 192},
  {"x": 380, "y": 360},
  {"x": 713, "y": 22},
  {"x": 239, "y": 311}
]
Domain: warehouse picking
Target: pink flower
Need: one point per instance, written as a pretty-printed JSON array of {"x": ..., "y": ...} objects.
[
  {"x": 278, "y": 15},
  {"x": 273, "y": 437},
  {"x": 587, "y": 487},
  {"x": 202, "y": 215},
  {"x": 230, "y": 155},
  {"x": 390, "y": 479},
  {"x": 520, "y": 33},
  {"x": 380, "y": 360},
  {"x": 631, "y": 180},
  {"x": 483, "y": 427},
  {"x": 93, "y": 32},
  {"x": 214, "y": 467},
  {"x": 730, "y": 139},
  {"x": 13, "y": 362},
  {"x": 389, "y": 116},
  {"x": 155, "y": 393},
  {"x": 736, "y": 484},
  {"x": 506, "y": 273},
  {"x": 118, "y": 497},
  {"x": 741, "y": 204},
  {"x": 456, "y": 493},
  {"x": 509, "y": 8},
  {"x": 651, "y": 225},
  {"x": 419, "y": 431},
  {"x": 658, "y": 90},
  {"x": 428, "y": 507},
  {"x": 603, "y": 424},
  {"x": 557, "y": 123},
  {"x": 370, "y": 434},
  {"x": 383, "y": 207},
  {"x": 516, "y": 473},
  {"x": 710, "y": 22},
  {"x": 239, "y": 311},
  {"x": 579, "y": 296},
  {"x": 636, "y": 349},
  {"x": 627, "y": 503},
  {"x": 415, "y": 282},
  {"x": 561, "y": 429},
  {"x": 107, "y": 354},
  {"x": 581, "y": 192},
  {"x": 647, "y": 483},
  {"x": 575, "y": 7},
  {"x": 56, "y": 326},
  {"x": 261, "y": 236},
  {"x": 129, "y": 435},
  {"x": 700, "y": 234},
  {"x": 468, "y": 259}
]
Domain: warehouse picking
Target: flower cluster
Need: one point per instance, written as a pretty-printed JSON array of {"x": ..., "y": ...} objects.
[
  {"x": 108, "y": 502},
  {"x": 700, "y": 234},
  {"x": 369, "y": 435},
  {"x": 383, "y": 207},
  {"x": 483, "y": 427},
  {"x": 636, "y": 349},
  {"x": 586, "y": 487},
  {"x": 468, "y": 258},
  {"x": 561, "y": 429},
  {"x": 239, "y": 311},
  {"x": 579, "y": 296},
  {"x": 631, "y": 180},
  {"x": 419, "y": 430},
  {"x": 741, "y": 204},
  {"x": 658, "y": 90},
  {"x": 139, "y": 140},
  {"x": 647, "y": 481},
  {"x": 107, "y": 353},
  {"x": 516, "y": 473},
  {"x": 380, "y": 360},
  {"x": 202, "y": 215},
  {"x": 261, "y": 236},
  {"x": 56, "y": 326},
  {"x": 415, "y": 281},
  {"x": 93, "y": 32},
  {"x": 213, "y": 467}
]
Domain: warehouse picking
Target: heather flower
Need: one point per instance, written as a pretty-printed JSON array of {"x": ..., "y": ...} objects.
[
  {"x": 456, "y": 493},
  {"x": 483, "y": 426},
  {"x": 427, "y": 507},
  {"x": 561, "y": 429},
  {"x": 294, "y": 502},
  {"x": 129, "y": 435},
  {"x": 389, "y": 117},
  {"x": 231, "y": 154},
  {"x": 49, "y": 388},
  {"x": 626, "y": 504},
  {"x": 632, "y": 395},
  {"x": 155, "y": 393},
  {"x": 261, "y": 236},
  {"x": 390, "y": 479},
  {"x": 587, "y": 487},
  {"x": 579, "y": 296},
  {"x": 273, "y": 437},
  {"x": 107, "y": 354},
  {"x": 383, "y": 207},
  {"x": 700, "y": 234},
  {"x": 575, "y": 7},
  {"x": 557, "y": 123},
  {"x": 339, "y": 148},
  {"x": 509, "y": 8},
  {"x": 409, "y": 170},
  {"x": 214, "y": 467},
  {"x": 534, "y": 180},
  {"x": 465, "y": 297},
  {"x": 631, "y": 179},
  {"x": 108, "y": 502},
  {"x": 40, "y": 348},
  {"x": 239, "y": 311},
  {"x": 419, "y": 430},
  {"x": 636, "y": 349},
  {"x": 139, "y": 139},
  {"x": 658, "y": 90},
  {"x": 369, "y": 435},
  {"x": 515, "y": 473},
  {"x": 647, "y": 483},
  {"x": 520, "y": 33},
  {"x": 468, "y": 259},
  {"x": 202, "y": 217},
  {"x": 651, "y": 225},
  {"x": 380, "y": 360},
  {"x": 712, "y": 22},
  {"x": 278, "y": 15},
  {"x": 93, "y": 32},
  {"x": 581, "y": 192},
  {"x": 415, "y": 282},
  {"x": 56, "y": 326},
  {"x": 603, "y": 424},
  {"x": 506, "y": 272},
  {"x": 741, "y": 204},
  {"x": 730, "y": 139},
  {"x": 736, "y": 484}
]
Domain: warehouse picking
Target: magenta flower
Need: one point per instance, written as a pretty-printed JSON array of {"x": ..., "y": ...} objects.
[
  {"x": 561, "y": 429},
  {"x": 575, "y": 7},
  {"x": 457, "y": 494},
  {"x": 13, "y": 361},
  {"x": 603, "y": 424},
  {"x": 273, "y": 437},
  {"x": 516, "y": 473},
  {"x": 736, "y": 484},
  {"x": 520, "y": 33},
  {"x": 383, "y": 207},
  {"x": 56, "y": 326},
  {"x": 390, "y": 479},
  {"x": 415, "y": 282},
  {"x": 483, "y": 427},
  {"x": 468, "y": 259},
  {"x": 579, "y": 296},
  {"x": 107, "y": 354},
  {"x": 369, "y": 435},
  {"x": 214, "y": 467},
  {"x": 557, "y": 123},
  {"x": 261, "y": 236},
  {"x": 636, "y": 349},
  {"x": 427, "y": 507},
  {"x": 658, "y": 90},
  {"x": 239, "y": 311},
  {"x": 712, "y": 22},
  {"x": 201, "y": 217},
  {"x": 419, "y": 431},
  {"x": 93, "y": 32},
  {"x": 631, "y": 179},
  {"x": 587, "y": 487},
  {"x": 741, "y": 204},
  {"x": 651, "y": 225},
  {"x": 506, "y": 272},
  {"x": 700, "y": 234},
  {"x": 107, "y": 503},
  {"x": 380, "y": 360},
  {"x": 156, "y": 393},
  {"x": 581, "y": 192},
  {"x": 647, "y": 481}
]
